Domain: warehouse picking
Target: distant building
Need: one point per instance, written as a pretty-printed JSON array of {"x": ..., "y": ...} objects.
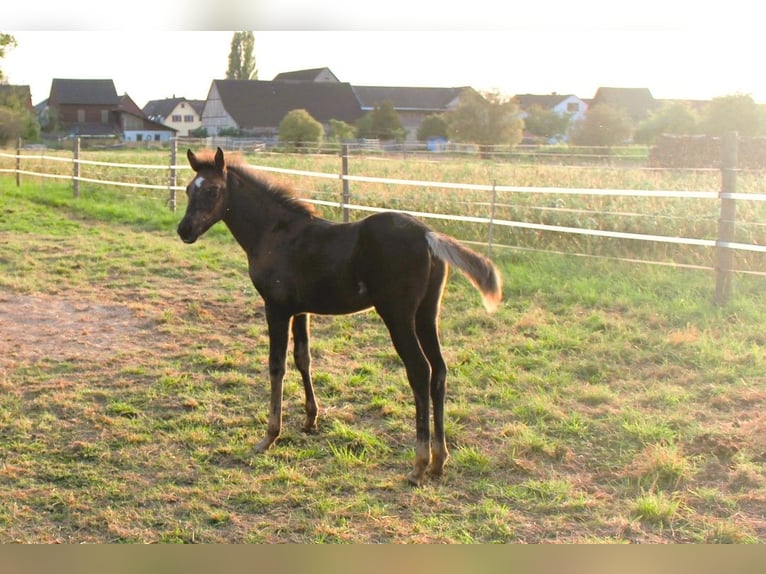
[
  {"x": 257, "y": 107},
  {"x": 92, "y": 108},
  {"x": 312, "y": 75},
  {"x": 411, "y": 103},
  {"x": 181, "y": 114},
  {"x": 560, "y": 103},
  {"x": 136, "y": 127},
  {"x": 638, "y": 103}
]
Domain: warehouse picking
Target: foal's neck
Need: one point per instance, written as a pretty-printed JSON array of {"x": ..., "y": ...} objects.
[{"x": 254, "y": 212}]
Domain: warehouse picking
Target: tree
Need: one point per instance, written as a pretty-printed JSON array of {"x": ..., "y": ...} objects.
[
  {"x": 672, "y": 118},
  {"x": 241, "y": 57},
  {"x": 488, "y": 119},
  {"x": 11, "y": 126},
  {"x": 433, "y": 126},
  {"x": 734, "y": 113},
  {"x": 604, "y": 125},
  {"x": 382, "y": 123},
  {"x": 340, "y": 131},
  {"x": 298, "y": 129},
  {"x": 6, "y": 42},
  {"x": 545, "y": 123}
]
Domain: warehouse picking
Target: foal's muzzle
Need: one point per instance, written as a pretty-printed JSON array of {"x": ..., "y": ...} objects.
[{"x": 186, "y": 233}]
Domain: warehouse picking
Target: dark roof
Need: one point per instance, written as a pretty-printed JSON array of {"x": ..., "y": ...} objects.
[
  {"x": 304, "y": 75},
  {"x": 637, "y": 102},
  {"x": 148, "y": 123},
  {"x": 84, "y": 92},
  {"x": 163, "y": 108},
  {"x": 254, "y": 103},
  {"x": 128, "y": 105},
  {"x": 198, "y": 105},
  {"x": 545, "y": 101},
  {"x": 407, "y": 98}
]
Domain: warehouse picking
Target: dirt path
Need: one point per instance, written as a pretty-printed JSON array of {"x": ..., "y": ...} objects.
[{"x": 44, "y": 327}]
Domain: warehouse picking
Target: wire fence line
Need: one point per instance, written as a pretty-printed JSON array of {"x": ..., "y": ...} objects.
[{"x": 165, "y": 178}]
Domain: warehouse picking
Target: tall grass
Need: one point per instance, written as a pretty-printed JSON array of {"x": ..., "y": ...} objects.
[{"x": 689, "y": 218}]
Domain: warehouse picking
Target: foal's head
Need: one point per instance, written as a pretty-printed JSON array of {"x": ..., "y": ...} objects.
[{"x": 207, "y": 196}]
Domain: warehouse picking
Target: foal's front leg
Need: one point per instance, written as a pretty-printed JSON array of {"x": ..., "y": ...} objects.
[{"x": 279, "y": 325}]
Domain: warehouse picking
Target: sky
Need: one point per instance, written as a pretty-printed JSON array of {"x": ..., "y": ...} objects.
[{"x": 155, "y": 50}]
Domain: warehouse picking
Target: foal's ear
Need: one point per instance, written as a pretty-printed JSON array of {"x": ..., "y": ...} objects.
[
  {"x": 192, "y": 160},
  {"x": 219, "y": 163}
]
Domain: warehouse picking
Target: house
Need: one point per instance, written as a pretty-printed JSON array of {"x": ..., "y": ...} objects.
[
  {"x": 312, "y": 75},
  {"x": 92, "y": 108},
  {"x": 181, "y": 114},
  {"x": 84, "y": 107},
  {"x": 135, "y": 126},
  {"x": 411, "y": 103},
  {"x": 255, "y": 107},
  {"x": 636, "y": 102},
  {"x": 559, "y": 103}
]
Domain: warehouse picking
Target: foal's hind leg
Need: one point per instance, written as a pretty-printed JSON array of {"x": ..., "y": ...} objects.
[
  {"x": 302, "y": 357},
  {"x": 426, "y": 323},
  {"x": 401, "y": 326}
]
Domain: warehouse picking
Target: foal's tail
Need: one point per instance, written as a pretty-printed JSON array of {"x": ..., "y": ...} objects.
[{"x": 479, "y": 270}]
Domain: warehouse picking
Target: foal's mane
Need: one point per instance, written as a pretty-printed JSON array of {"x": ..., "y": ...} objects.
[{"x": 283, "y": 193}]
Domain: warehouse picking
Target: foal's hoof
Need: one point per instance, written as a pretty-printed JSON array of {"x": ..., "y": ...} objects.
[
  {"x": 311, "y": 428},
  {"x": 414, "y": 482},
  {"x": 415, "y": 479},
  {"x": 435, "y": 472},
  {"x": 264, "y": 445}
]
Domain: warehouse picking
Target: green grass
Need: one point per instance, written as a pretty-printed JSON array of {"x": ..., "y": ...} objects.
[{"x": 604, "y": 401}]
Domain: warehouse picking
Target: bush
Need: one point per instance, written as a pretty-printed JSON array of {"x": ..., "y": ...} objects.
[
  {"x": 299, "y": 130},
  {"x": 12, "y": 125}
]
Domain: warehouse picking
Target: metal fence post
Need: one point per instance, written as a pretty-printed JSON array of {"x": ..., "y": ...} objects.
[
  {"x": 346, "y": 190},
  {"x": 726, "y": 222}
]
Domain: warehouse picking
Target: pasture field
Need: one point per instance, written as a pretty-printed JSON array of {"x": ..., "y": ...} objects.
[
  {"x": 672, "y": 217},
  {"x": 604, "y": 402}
]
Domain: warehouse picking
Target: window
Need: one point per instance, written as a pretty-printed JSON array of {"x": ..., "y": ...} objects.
[
  {"x": 188, "y": 119},
  {"x": 156, "y": 137},
  {"x": 104, "y": 116},
  {"x": 139, "y": 137},
  {"x": 80, "y": 116},
  {"x": 176, "y": 118},
  {"x": 573, "y": 107}
]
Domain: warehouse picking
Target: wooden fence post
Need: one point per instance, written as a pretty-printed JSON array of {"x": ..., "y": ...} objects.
[
  {"x": 726, "y": 221},
  {"x": 76, "y": 174},
  {"x": 346, "y": 190},
  {"x": 173, "y": 174},
  {"x": 18, "y": 163}
]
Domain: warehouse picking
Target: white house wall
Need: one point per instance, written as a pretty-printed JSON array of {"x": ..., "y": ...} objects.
[
  {"x": 183, "y": 109},
  {"x": 562, "y": 108},
  {"x": 214, "y": 116}
]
